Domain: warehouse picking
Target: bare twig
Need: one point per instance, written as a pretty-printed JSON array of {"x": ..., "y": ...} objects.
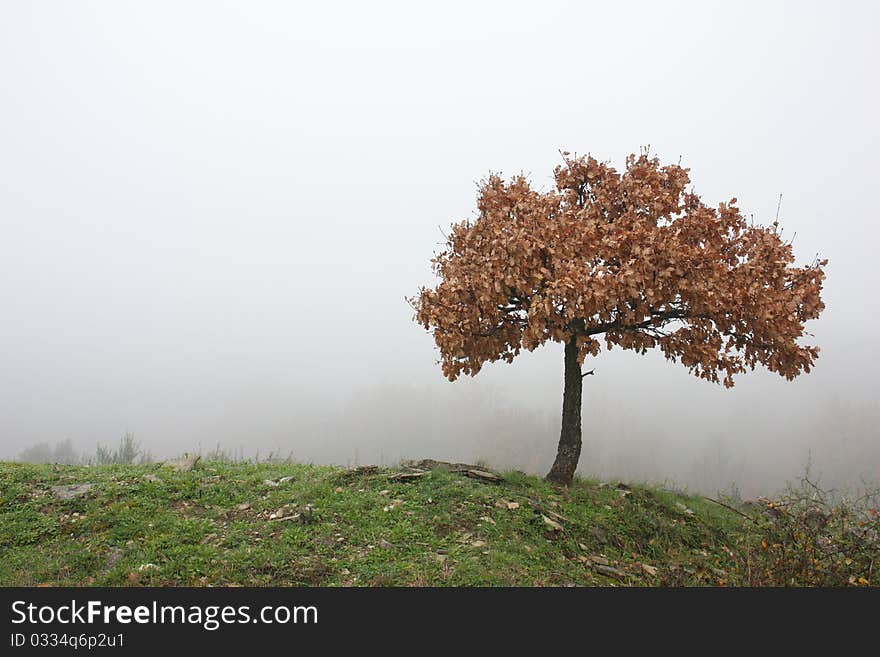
[{"x": 727, "y": 506}]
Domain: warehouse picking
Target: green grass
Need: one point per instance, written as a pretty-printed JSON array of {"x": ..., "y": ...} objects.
[{"x": 212, "y": 526}]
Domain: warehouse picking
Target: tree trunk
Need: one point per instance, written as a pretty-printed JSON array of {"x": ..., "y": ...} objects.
[{"x": 569, "y": 450}]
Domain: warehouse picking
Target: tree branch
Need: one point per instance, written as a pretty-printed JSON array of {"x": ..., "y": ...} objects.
[{"x": 664, "y": 316}]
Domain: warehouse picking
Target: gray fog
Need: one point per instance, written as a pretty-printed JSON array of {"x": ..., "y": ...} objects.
[{"x": 211, "y": 212}]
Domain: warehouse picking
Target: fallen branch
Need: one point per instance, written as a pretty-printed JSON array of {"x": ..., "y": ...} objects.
[
  {"x": 727, "y": 506},
  {"x": 295, "y": 516}
]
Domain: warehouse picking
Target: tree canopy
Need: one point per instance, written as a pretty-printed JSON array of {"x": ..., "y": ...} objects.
[{"x": 628, "y": 258}]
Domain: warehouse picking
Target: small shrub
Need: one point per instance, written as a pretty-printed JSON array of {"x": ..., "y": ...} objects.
[
  {"x": 813, "y": 537},
  {"x": 128, "y": 452}
]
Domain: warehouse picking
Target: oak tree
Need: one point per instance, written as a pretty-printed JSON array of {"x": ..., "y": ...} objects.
[{"x": 628, "y": 258}]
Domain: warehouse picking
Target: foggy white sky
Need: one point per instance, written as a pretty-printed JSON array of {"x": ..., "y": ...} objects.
[{"x": 210, "y": 214}]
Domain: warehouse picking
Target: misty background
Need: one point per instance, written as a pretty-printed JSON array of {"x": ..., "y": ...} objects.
[{"x": 211, "y": 212}]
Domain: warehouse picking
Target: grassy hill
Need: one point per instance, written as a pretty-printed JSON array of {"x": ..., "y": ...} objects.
[{"x": 277, "y": 524}]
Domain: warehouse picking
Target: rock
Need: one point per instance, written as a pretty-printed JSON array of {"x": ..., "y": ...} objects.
[
  {"x": 295, "y": 516},
  {"x": 537, "y": 507},
  {"x": 71, "y": 491},
  {"x": 385, "y": 544},
  {"x": 650, "y": 570},
  {"x": 184, "y": 464},
  {"x": 431, "y": 464},
  {"x": 150, "y": 477},
  {"x": 423, "y": 467},
  {"x": 552, "y": 524},
  {"x": 285, "y": 510},
  {"x": 482, "y": 475},
  {"x": 405, "y": 476},
  {"x": 556, "y": 516},
  {"x": 681, "y": 507},
  {"x": 112, "y": 557},
  {"x": 275, "y": 483},
  {"x": 363, "y": 470}
]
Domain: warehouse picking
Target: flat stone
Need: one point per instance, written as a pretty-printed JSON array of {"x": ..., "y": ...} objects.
[
  {"x": 482, "y": 475},
  {"x": 71, "y": 491},
  {"x": 114, "y": 555}
]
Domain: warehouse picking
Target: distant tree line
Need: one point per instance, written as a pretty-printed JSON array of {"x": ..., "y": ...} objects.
[{"x": 127, "y": 452}]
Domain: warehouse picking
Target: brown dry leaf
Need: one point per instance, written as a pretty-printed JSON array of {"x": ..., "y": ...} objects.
[{"x": 650, "y": 570}]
